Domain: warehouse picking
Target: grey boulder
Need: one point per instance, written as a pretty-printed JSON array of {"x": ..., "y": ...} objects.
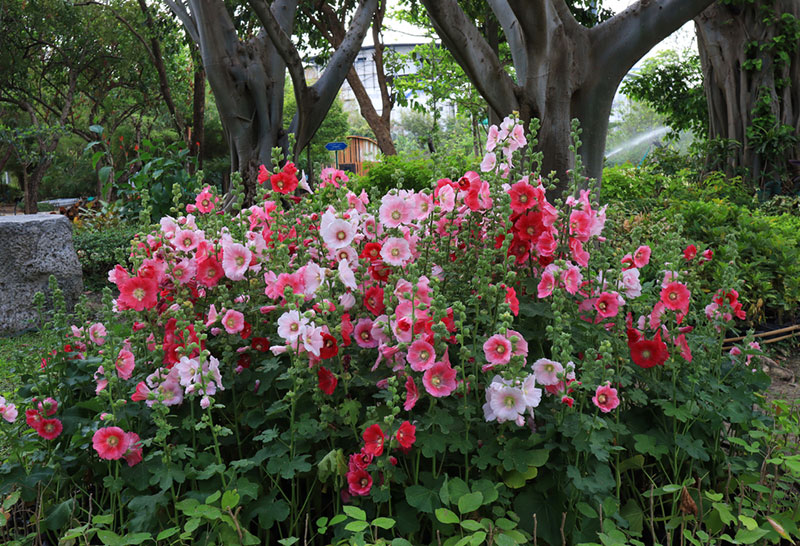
[{"x": 33, "y": 247}]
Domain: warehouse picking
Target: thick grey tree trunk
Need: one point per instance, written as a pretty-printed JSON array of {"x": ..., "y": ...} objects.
[
  {"x": 736, "y": 74},
  {"x": 563, "y": 69},
  {"x": 248, "y": 75}
]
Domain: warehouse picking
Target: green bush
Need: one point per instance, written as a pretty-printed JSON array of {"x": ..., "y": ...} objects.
[
  {"x": 100, "y": 251},
  {"x": 9, "y": 194},
  {"x": 397, "y": 171}
]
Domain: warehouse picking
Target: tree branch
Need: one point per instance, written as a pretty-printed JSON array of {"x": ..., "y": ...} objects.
[
  {"x": 514, "y": 36},
  {"x": 188, "y": 21},
  {"x": 283, "y": 44},
  {"x": 473, "y": 54},
  {"x": 618, "y": 43}
]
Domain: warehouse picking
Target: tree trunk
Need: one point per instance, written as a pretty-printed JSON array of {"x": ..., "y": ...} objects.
[
  {"x": 32, "y": 182},
  {"x": 198, "y": 113},
  {"x": 739, "y": 69},
  {"x": 563, "y": 70}
]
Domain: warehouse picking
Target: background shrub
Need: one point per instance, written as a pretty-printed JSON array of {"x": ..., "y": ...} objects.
[{"x": 100, "y": 251}]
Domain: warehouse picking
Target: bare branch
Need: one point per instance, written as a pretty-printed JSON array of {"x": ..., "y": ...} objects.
[
  {"x": 188, "y": 21},
  {"x": 516, "y": 40},
  {"x": 283, "y": 44}
]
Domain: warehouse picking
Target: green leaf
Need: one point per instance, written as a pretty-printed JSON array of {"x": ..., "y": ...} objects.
[
  {"x": 288, "y": 541},
  {"x": 471, "y": 525},
  {"x": 477, "y": 538},
  {"x": 98, "y": 129},
  {"x": 504, "y": 540},
  {"x": 102, "y": 519},
  {"x": 356, "y": 526},
  {"x": 58, "y": 516},
  {"x": 515, "y": 479},
  {"x": 587, "y": 510},
  {"x": 446, "y": 516},
  {"x": 355, "y": 512},
  {"x": 487, "y": 488},
  {"x": 213, "y": 497},
  {"x": 749, "y": 536},
  {"x": 383, "y": 523},
  {"x": 724, "y": 512},
  {"x": 230, "y": 499},
  {"x": 166, "y": 533},
  {"x": 109, "y": 538},
  {"x": 421, "y": 498},
  {"x": 637, "y": 461},
  {"x": 401, "y": 542},
  {"x": 470, "y": 502},
  {"x": 748, "y": 522},
  {"x": 648, "y": 445}
]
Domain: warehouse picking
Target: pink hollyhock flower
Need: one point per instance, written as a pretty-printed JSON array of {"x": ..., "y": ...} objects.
[
  {"x": 133, "y": 455},
  {"x": 8, "y": 411},
  {"x": 290, "y": 325},
  {"x": 312, "y": 339},
  {"x": 421, "y": 355},
  {"x": 346, "y": 275},
  {"x": 572, "y": 278},
  {"x": 489, "y": 162},
  {"x": 326, "y": 381},
  {"x": 235, "y": 260},
  {"x": 124, "y": 364},
  {"x": 686, "y": 352},
  {"x": 359, "y": 482},
  {"x": 439, "y": 380},
  {"x": 607, "y": 304},
  {"x": 138, "y": 293},
  {"x": 478, "y": 196},
  {"x": 546, "y": 244},
  {"x": 395, "y": 211},
  {"x": 507, "y": 403},
  {"x": 605, "y": 397},
  {"x": 497, "y": 350},
  {"x": 447, "y": 198},
  {"x": 412, "y": 394},
  {"x": 97, "y": 333},
  {"x": 142, "y": 392},
  {"x": 492, "y": 138},
  {"x": 110, "y": 443},
  {"x": 547, "y": 371},
  {"x": 630, "y": 283},
  {"x": 546, "y": 284},
  {"x": 395, "y": 251},
  {"x": 48, "y": 407},
  {"x": 205, "y": 201},
  {"x": 363, "y": 334},
  {"x": 335, "y": 232},
  {"x": 676, "y": 296},
  {"x": 422, "y": 206},
  {"x": 184, "y": 271},
  {"x": 580, "y": 255},
  {"x": 50, "y": 429},
  {"x": 530, "y": 393},
  {"x": 373, "y": 440},
  {"x": 641, "y": 257},
  {"x": 233, "y": 321},
  {"x": 406, "y": 435},
  {"x": 519, "y": 347}
]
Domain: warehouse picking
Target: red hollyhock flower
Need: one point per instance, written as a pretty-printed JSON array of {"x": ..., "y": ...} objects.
[
  {"x": 247, "y": 329},
  {"x": 327, "y": 381},
  {"x": 406, "y": 435},
  {"x": 373, "y": 440},
  {"x": 648, "y": 353},
  {"x": 359, "y": 461},
  {"x": 138, "y": 293},
  {"x": 522, "y": 196},
  {"x": 33, "y": 418},
  {"x": 110, "y": 443},
  {"x": 512, "y": 301},
  {"x": 359, "y": 482},
  {"x": 263, "y": 174},
  {"x": 141, "y": 393},
  {"x": 260, "y": 344},
  {"x": 371, "y": 252},
  {"x": 244, "y": 361},
  {"x": 329, "y": 346},
  {"x": 690, "y": 252},
  {"x": 347, "y": 329},
  {"x": 209, "y": 271},
  {"x": 373, "y": 300},
  {"x": 49, "y": 429},
  {"x": 676, "y": 296}
]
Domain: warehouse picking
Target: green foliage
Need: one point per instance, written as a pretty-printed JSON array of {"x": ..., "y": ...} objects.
[
  {"x": 99, "y": 251},
  {"x": 399, "y": 171},
  {"x": 671, "y": 83}
]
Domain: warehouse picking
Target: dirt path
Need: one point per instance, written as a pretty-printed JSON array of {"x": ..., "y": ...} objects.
[{"x": 785, "y": 373}]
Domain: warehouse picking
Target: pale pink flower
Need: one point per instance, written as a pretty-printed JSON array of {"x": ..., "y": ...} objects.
[
  {"x": 447, "y": 198},
  {"x": 506, "y": 402},
  {"x": 291, "y": 325},
  {"x": 312, "y": 339},
  {"x": 547, "y": 371},
  {"x": 335, "y": 232},
  {"x": 572, "y": 278},
  {"x": 313, "y": 275},
  {"x": 168, "y": 227},
  {"x": 186, "y": 240},
  {"x": 394, "y": 211},
  {"x": 519, "y": 346},
  {"x": 531, "y": 394},
  {"x": 422, "y": 206},
  {"x": 421, "y": 355},
  {"x": 233, "y": 321},
  {"x": 125, "y": 364},
  {"x": 8, "y": 411},
  {"x": 185, "y": 270},
  {"x": 489, "y": 162},
  {"x": 346, "y": 275},
  {"x": 395, "y": 251},
  {"x": 235, "y": 260},
  {"x": 491, "y": 138},
  {"x": 97, "y": 333},
  {"x": 630, "y": 283}
]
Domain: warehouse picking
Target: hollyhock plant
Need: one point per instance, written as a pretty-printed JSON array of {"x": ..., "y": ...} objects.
[
  {"x": 326, "y": 380},
  {"x": 50, "y": 429},
  {"x": 8, "y": 411},
  {"x": 110, "y": 443},
  {"x": 373, "y": 440},
  {"x": 605, "y": 398},
  {"x": 497, "y": 350},
  {"x": 406, "y": 435},
  {"x": 439, "y": 380},
  {"x": 547, "y": 371}
]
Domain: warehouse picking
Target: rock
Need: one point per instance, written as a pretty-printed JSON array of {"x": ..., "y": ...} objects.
[{"x": 33, "y": 247}]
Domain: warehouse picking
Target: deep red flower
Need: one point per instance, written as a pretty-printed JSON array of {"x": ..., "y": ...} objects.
[
  {"x": 260, "y": 344},
  {"x": 406, "y": 435},
  {"x": 209, "y": 271},
  {"x": 690, "y": 252},
  {"x": 647, "y": 353},
  {"x": 329, "y": 346},
  {"x": 359, "y": 461},
  {"x": 372, "y": 252},
  {"x": 244, "y": 361},
  {"x": 33, "y": 418},
  {"x": 512, "y": 301},
  {"x": 247, "y": 329},
  {"x": 359, "y": 482},
  {"x": 373, "y": 440},
  {"x": 347, "y": 329},
  {"x": 373, "y": 300},
  {"x": 326, "y": 380}
]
